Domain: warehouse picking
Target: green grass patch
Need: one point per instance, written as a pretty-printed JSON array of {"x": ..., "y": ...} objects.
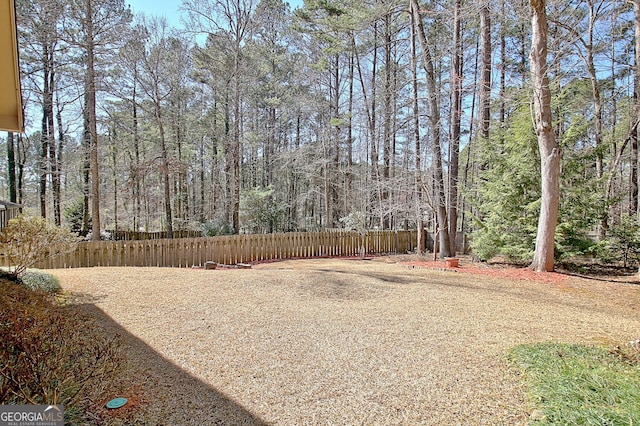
[{"x": 580, "y": 385}]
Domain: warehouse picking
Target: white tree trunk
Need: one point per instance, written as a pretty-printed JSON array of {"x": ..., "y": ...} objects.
[{"x": 550, "y": 152}]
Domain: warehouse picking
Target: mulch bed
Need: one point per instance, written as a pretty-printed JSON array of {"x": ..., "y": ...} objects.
[{"x": 511, "y": 273}]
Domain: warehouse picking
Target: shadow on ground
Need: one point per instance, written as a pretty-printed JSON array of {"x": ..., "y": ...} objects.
[{"x": 156, "y": 387}]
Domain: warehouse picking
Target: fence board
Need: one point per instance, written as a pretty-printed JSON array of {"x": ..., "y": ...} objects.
[{"x": 230, "y": 250}]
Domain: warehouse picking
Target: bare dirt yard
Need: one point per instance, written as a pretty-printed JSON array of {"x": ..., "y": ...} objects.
[{"x": 346, "y": 341}]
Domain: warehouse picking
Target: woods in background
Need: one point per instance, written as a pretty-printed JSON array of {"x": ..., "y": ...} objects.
[{"x": 390, "y": 115}]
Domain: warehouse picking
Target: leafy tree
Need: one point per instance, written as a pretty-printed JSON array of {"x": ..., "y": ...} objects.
[
  {"x": 508, "y": 200},
  {"x": 622, "y": 244},
  {"x": 75, "y": 214},
  {"x": 259, "y": 210}
]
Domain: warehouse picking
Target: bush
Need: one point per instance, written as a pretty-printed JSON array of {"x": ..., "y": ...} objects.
[
  {"x": 355, "y": 221},
  {"x": 27, "y": 240},
  {"x": 484, "y": 244},
  {"x": 51, "y": 354},
  {"x": 75, "y": 217},
  {"x": 41, "y": 281},
  {"x": 260, "y": 211},
  {"x": 622, "y": 244},
  {"x": 216, "y": 228}
]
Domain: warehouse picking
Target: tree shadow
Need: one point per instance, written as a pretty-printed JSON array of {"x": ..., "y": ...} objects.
[{"x": 161, "y": 392}]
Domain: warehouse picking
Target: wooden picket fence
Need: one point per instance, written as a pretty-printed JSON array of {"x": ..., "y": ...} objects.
[
  {"x": 135, "y": 235},
  {"x": 231, "y": 250}
]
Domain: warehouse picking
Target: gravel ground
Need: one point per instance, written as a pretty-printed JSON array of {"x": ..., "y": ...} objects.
[{"x": 340, "y": 342}]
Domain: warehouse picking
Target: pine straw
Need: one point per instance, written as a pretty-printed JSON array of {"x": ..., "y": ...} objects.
[{"x": 341, "y": 341}]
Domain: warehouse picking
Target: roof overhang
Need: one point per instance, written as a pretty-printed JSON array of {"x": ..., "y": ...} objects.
[{"x": 11, "y": 113}]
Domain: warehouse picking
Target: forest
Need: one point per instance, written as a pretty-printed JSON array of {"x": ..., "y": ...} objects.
[{"x": 255, "y": 117}]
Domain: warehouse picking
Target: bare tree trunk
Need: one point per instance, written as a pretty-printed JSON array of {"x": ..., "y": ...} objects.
[
  {"x": 420, "y": 244},
  {"x": 550, "y": 152},
  {"x": 55, "y": 183},
  {"x": 20, "y": 160},
  {"x": 11, "y": 167},
  {"x": 349, "y": 174},
  {"x": 434, "y": 124},
  {"x": 636, "y": 109},
  {"x": 235, "y": 201},
  {"x": 371, "y": 115},
  {"x": 114, "y": 158},
  {"x": 137, "y": 215},
  {"x": 57, "y": 159},
  {"x": 485, "y": 86},
  {"x": 386, "y": 135},
  {"x": 468, "y": 164},
  {"x": 165, "y": 164},
  {"x": 503, "y": 63},
  {"x": 90, "y": 111},
  {"x": 456, "y": 113},
  {"x": 333, "y": 218},
  {"x": 86, "y": 178},
  {"x": 47, "y": 136}
]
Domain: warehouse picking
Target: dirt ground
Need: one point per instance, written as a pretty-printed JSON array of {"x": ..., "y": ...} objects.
[{"x": 341, "y": 341}]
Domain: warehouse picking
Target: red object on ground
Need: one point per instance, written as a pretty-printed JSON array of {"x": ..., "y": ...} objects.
[{"x": 522, "y": 274}]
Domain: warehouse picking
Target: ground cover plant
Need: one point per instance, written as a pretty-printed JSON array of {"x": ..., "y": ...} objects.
[
  {"x": 53, "y": 354},
  {"x": 578, "y": 384},
  {"x": 35, "y": 279}
]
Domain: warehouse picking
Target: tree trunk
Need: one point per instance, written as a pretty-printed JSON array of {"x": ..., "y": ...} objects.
[
  {"x": 21, "y": 159},
  {"x": 57, "y": 181},
  {"x": 636, "y": 109},
  {"x": 11, "y": 167},
  {"x": 386, "y": 135},
  {"x": 47, "y": 136},
  {"x": 349, "y": 174},
  {"x": 371, "y": 117},
  {"x": 90, "y": 105},
  {"x": 485, "y": 86},
  {"x": 550, "y": 152},
  {"x": 235, "y": 201},
  {"x": 456, "y": 113},
  {"x": 334, "y": 218},
  {"x": 434, "y": 124},
  {"x": 165, "y": 166},
  {"x": 503, "y": 63},
  {"x": 420, "y": 244},
  {"x": 137, "y": 209}
]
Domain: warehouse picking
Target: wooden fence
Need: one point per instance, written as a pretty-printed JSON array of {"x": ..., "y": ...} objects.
[
  {"x": 135, "y": 235},
  {"x": 230, "y": 250}
]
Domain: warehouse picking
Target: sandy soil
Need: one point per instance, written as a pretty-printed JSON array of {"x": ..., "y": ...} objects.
[{"x": 340, "y": 341}]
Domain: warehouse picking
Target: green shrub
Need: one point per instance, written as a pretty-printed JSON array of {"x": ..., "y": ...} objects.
[
  {"x": 622, "y": 244},
  {"x": 260, "y": 211},
  {"x": 52, "y": 354},
  {"x": 216, "y": 228},
  {"x": 75, "y": 217},
  {"x": 39, "y": 280},
  {"x": 484, "y": 244}
]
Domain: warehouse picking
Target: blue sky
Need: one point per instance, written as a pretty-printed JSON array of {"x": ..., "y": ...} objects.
[{"x": 169, "y": 8}]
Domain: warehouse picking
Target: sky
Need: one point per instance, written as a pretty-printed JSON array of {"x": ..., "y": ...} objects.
[
  {"x": 169, "y": 8},
  {"x": 166, "y": 8}
]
